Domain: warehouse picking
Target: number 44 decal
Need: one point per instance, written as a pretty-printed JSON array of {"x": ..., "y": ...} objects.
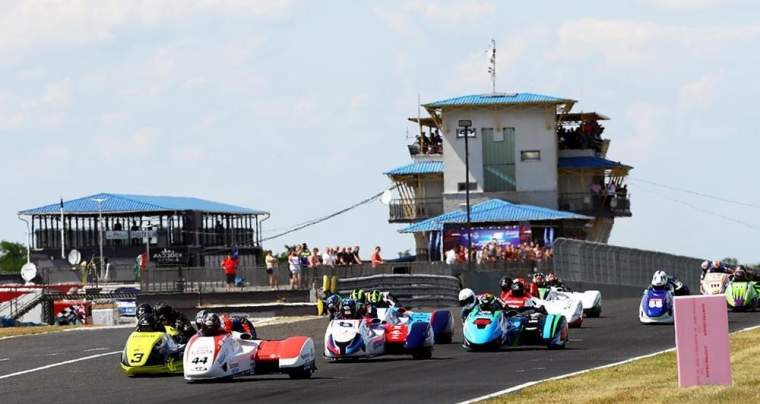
[{"x": 198, "y": 360}]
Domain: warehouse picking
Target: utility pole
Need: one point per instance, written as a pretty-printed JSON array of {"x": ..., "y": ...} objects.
[{"x": 466, "y": 124}]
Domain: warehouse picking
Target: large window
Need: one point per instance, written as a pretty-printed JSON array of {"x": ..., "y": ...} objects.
[{"x": 498, "y": 159}]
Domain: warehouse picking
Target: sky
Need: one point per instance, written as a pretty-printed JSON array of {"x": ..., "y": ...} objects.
[{"x": 297, "y": 107}]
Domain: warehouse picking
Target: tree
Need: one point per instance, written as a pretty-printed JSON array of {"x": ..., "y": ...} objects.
[
  {"x": 12, "y": 256},
  {"x": 730, "y": 261},
  {"x": 404, "y": 254}
]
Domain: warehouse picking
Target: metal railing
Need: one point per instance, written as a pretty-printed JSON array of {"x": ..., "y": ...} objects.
[
  {"x": 412, "y": 290},
  {"x": 592, "y": 204},
  {"x": 413, "y": 209}
]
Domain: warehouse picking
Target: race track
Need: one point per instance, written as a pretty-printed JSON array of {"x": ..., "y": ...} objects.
[{"x": 453, "y": 375}]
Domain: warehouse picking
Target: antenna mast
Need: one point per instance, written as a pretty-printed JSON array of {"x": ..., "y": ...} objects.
[{"x": 492, "y": 64}]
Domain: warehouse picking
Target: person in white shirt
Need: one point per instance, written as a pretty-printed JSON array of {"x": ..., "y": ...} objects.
[{"x": 451, "y": 257}]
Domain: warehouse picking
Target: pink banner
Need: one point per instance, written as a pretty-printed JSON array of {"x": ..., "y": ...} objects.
[{"x": 702, "y": 345}]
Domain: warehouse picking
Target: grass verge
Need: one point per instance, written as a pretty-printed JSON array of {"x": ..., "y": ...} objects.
[
  {"x": 652, "y": 380},
  {"x": 17, "y": 331}
]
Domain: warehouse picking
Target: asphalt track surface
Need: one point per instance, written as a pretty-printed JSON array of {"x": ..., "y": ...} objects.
[{"x": 452, "y": 375}]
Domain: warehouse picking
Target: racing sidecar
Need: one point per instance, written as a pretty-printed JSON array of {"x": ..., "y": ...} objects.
[
  {"x": 152, "y": 352},
  {"x": 234, "y": 354}
]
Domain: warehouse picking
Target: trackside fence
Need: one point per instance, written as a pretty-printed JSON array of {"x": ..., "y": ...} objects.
[{"x": 603, "y": 264}]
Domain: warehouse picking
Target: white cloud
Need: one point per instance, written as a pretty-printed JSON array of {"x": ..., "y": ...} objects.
[
  {"x": 700, "y": 92},
  {"x": 689, "y": 5},
  {"x": 634, "y": 42},
  {"x": 78, "y": 22},
  {"x": 414, "y": 14}
]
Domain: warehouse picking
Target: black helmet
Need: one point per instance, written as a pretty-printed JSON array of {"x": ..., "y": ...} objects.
[
  {"x": 211, "y": 324},
  {"x": 147, "y": 323},
  {"x": 505, "y": 283},
  {"x": 348, "y": 308},
  {"x": 518, "y": 289},
  {"x": 200, "y": 317},
  {"x": 143, "y": 309},
  {"x": 163, "y": 312}
]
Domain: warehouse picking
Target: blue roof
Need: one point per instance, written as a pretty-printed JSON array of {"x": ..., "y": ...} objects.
[
  {"x": 123, "y": 203},
  {"x": 420, "y": 167},
  {"x": 499, "y": 99},
  {"x": 590, "y": 162},
  {"x": 493, "y": 211}
]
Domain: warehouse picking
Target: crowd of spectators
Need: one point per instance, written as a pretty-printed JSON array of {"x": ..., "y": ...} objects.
[
  {"x": 427, "y": 143},
  {"x": 493, "y": 252},
  {"x": 587, "y": 135}
]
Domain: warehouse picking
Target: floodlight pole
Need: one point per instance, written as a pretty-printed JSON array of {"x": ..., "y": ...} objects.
[
  {"x": 28, "y": 239},
  {"x": 100, "y": 237},
  {"x": 466, "y": 124}
]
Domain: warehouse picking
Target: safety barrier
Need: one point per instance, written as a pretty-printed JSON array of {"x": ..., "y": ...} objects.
[
  {"x": 603, "y": 264},
  {"x": 412, "y": 290}
]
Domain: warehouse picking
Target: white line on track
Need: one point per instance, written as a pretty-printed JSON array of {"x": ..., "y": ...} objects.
[
  {"x": 4, "y": 359},
  {"x": 54, "y": 353},
  {"x": 52, "y": 365},
  {"x": 94, "y": 349},
  {"x": 580, "y": 372}
]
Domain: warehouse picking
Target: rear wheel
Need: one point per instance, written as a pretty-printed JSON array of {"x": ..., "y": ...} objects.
[
  {"x": 444, "y": 339},
  {"x": 423, "y": 353},
  {"x": 595, "y": 311}
]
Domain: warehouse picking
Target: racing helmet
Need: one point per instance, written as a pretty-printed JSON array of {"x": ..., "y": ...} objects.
[
  {"x": 505, "y": 283},
  {"x": 552, "y": 278},
  {"x": 212, "y": 324},
  {"x": 539, "y": 278},
  {"x": 518, "y": 289},
  {"x": 143, "y": 309},
  {"x": 466, "y": 296},
  {"x": 163, "y": 312},
  {"x": 389, "y": 299},
  {"x": 486, "y": 301},
  {"x": 739, "y": 273},
  {"x": 147, "y": 323},
  {"x": 348, "y": 308},
  {"x": 199, "y": 318},
  {"x": 717, "y": 264},
  {"x": 705, "y": 265},
  {"x": 357, "y": 295},
  {"x": 659, "y": 279},
  {"x": 375, "y": 297}
]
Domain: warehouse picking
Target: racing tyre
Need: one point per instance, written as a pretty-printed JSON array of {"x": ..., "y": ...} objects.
[
  {"x": 444, "y": 339},
  {"x": 595, "y": 312},
  {"x": 302, "y": 373},
  {"x": 423, "y": 353}
]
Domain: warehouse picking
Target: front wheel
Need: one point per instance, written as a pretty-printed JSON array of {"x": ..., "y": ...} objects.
[
  {"x": 423, "y": 353},
  {"x": 444, "y": 339},
  {"x": 303, "y": 372},
  {"x": 595, "y": 312}
]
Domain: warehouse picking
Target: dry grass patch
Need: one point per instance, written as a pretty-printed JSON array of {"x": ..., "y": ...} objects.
[
  {"x": 652, "y": 380},
  {"x": 16, "y": 331}
]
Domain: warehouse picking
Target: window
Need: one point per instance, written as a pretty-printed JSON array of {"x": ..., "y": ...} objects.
[
  {"x": 498, "y": 160},
  {"x": 461, "y": 186},
  {"x": 530, "y": 155},
  {"x": 470, "y": 133}
]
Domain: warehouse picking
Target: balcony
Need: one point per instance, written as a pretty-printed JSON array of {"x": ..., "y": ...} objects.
[
  {"x": 412, "y": 210},
  {"x": 596, "y": 205}
]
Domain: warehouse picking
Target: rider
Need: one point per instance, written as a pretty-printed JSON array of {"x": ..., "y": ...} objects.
[
  {"x": 661, "y": 280},
  {"x": 360, "y": 300},
  {"x": 348, "y": 310},
  {"x": 200, "y": 317},
  {"x": 705, "y": 268},
  {"x": 518, "y": 295},
  {"x": 537, "y": 283},
  {"x": 149, "y": 323},
  {"x": 167, "y": 316},
  {"x": 239, "y": 324},
  {"x": 489, "y": 302},
  {"x": 332, "y": 305},
  {"x": 143, "y": 309},
  {"x": 553, "y": 280},
  {"x": 467, "y": 300},
  {"x": 505, "y": 284},
  {"x": 212, "y": 326}
]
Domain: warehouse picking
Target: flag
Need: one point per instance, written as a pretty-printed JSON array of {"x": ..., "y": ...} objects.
[{"x": 61, "y": 203}]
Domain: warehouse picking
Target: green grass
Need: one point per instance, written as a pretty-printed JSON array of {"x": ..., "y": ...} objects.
[
  {"x": 652, "y": 380},
  {"x": 16, "y": 331}
]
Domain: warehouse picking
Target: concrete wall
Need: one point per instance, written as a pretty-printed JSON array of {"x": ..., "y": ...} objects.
[
  {"x": 546, "y": 199},
  {"x": 534, "y": 130}
]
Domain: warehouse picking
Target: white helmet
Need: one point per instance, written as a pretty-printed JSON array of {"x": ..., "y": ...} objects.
[
  {"x": 705, "y": 265},
  {"x": 659, "y": 279},
  {"x": 466, "y": 296}
]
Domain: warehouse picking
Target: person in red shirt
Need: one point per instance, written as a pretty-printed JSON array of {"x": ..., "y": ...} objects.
[
  {"x": 229, "y": 265},
  {"x": 377, "y": 260}
]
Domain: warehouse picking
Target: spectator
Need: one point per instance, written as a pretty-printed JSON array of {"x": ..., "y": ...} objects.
[
  {"x": 377, "y": 260},
  {"x": 272, "y": 263},
  {"x": 451, "y": 256},
  {"x": 229, "y": 265},
  {"x": 356, "y": 259},
  {"x": 315, "y": 259},
  {"x": 294, "y": 265},
  {"x": 328, "y": 258}
]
